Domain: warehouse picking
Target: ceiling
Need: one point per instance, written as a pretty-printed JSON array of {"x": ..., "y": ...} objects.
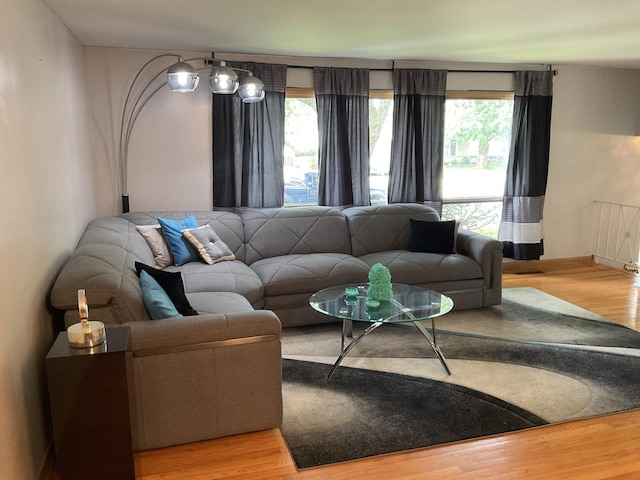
[{"x": 582, "y": 32}]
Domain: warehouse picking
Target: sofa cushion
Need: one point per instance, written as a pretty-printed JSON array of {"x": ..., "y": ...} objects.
[
  {"x": 117, "y": 232},
  {"x": 219, "y": 302},
  {"x": 381, "y": 228},
  {"x": 307, "y": 273},
  {"x": 273, "y": 232},
  {"x": 155, "y": 299},
  {"x": 106, "y": 273},
  {"x": 231, "y": 276},
  {"x": 419, "y": 268},
  {"x": 227, "y": 225}
]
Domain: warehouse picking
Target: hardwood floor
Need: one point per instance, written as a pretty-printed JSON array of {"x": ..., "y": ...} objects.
[
  {"x": 602, "y": 290},
  {"x": 599, "y": 448}
]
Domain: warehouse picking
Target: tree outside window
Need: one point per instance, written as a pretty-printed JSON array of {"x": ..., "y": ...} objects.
[{"x": 477, "y": 132}]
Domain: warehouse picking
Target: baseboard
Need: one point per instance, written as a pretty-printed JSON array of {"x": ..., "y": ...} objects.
[{"x": 537, "y": 266}]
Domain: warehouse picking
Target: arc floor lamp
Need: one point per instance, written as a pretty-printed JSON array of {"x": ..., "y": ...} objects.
[{"x": 179, "y": 76}]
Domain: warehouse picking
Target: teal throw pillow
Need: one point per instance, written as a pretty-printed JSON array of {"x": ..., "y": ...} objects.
[
  {"x": 156, "y": 300},
  {"x": 172, "y": 284},
  {"x": 181, "y": 249}
]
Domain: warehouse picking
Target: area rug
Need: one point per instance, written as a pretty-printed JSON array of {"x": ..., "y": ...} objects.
[{"x": 532, "y": 361}]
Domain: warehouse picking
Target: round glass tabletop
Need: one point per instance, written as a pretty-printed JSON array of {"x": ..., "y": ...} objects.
[{"x": 409, "y": 304}]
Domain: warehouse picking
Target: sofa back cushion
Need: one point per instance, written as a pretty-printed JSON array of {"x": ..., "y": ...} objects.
[
  {"x": 103, "y": 265},
  {"x": 272, "y": 232},
  {"x": 380, "y": 228},
  {"x": 227, "y": 225}
]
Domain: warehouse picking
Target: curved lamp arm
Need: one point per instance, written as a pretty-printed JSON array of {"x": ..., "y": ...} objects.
[
  {"x": 130, "y": 111},
  {"x": 139, "y": 104},
  {"x": 251, "y": 90}
]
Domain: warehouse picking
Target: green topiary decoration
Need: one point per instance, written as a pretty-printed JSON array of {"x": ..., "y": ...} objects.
[{"x": 379, "y": 283}]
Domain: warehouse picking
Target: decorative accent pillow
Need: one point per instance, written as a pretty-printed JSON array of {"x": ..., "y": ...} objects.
[
  {"x": 432, "y": 237},
  {"x": 210, "y": 248},
  {"x": 182, "y": 251},
  {"x": 158, "y": 245},
  {"x": 156, "y": 300},
  {"x": 172, "y": 284}
]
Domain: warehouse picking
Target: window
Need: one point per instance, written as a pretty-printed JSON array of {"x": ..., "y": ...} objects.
[
  {"x": 477, "y": 135},
  {"x": 380, "y": 130},
  {"x": 301, "y": 146},
  {"x": 477, "y": 131}
]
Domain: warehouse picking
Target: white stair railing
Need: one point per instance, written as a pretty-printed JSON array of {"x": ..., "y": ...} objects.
[{"x": 617, "y": 235}]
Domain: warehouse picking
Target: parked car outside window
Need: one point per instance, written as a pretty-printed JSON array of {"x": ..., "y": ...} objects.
[{"x": 305, "y": 192}]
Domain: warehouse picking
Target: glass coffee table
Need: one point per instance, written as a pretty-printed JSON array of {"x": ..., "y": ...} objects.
[{"x": 410, "y": 304}]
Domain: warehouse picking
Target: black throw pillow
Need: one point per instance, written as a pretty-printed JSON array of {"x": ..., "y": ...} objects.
[
  {"x": 432, "y": 237},
  {"x": 172, "y": 283}
]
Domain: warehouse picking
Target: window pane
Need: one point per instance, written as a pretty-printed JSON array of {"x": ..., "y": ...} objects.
[
  {"x": 479, "y": 217},
  {"x": 476, "y": 147},
  {"x": 301, "y": 149},
  {"x": 380, "y": 129},
  {"x": 301, "y": 152}
]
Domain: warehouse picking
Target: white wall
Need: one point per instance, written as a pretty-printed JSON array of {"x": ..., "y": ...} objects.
[
  {"x": 46, "y": 192},
  {"x": 170, "y": 149},
  {"x": 595, "y": 152}
]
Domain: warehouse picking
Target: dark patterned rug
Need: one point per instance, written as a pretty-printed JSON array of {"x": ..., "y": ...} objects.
[{"x": 514, "y": 366}]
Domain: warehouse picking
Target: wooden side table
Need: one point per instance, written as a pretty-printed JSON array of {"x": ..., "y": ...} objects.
[{"x": 89, "y": 396}]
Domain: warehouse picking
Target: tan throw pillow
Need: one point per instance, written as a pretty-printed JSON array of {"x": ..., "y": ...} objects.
[
  {"x": 158, "y": 245},
  {"x": 210, "y": 248}
]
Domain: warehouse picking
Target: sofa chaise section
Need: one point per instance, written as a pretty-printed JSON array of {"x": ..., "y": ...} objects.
[
  {"x": 192, "y": 378},
  {"x": 207, "y": 376}
]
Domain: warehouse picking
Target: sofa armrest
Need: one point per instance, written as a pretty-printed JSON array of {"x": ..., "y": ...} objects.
[
  {"x": 487, "y": 252},
  {"x": 196, "y": 332}
]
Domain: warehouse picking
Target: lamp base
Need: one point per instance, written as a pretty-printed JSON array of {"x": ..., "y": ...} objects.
[
  {"x": 81, "y": 339},
  {"x": 125, "y": 203}
]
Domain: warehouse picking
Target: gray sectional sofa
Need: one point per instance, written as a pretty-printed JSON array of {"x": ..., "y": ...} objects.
[{"x": 219, "y": 373}]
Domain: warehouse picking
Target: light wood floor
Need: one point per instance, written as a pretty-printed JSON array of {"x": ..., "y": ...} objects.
[{"x": 601, "y": 448}]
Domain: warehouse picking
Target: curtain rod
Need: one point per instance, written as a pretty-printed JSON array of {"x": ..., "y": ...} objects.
[
  {"x": 554, "y": 71},
  {"x": 393, "y": 62},
  {"x": 512, "y": 72}
]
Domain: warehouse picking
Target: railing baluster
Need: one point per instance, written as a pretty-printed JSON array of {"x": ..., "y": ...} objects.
[{"x": 609, "y": 241}]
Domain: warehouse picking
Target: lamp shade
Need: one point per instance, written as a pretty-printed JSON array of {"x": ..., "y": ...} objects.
[
  {"x": 251, "y": 89},
  {"x": 182, "y": 77},
  {"x": 223, "y": 79}
]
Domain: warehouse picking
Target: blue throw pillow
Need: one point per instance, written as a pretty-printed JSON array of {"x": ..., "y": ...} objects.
[
  {"x": 156, "y": 300},
  {"x": 181, "y": 249}
]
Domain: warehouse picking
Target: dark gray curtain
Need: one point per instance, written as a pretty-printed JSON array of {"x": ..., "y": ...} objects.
[
  {"x": 248, "y": 143},
  {"x": 342, "y": 101},
  {"x": 417, "y": 145},
  {"x": 521, "y": 226}
]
